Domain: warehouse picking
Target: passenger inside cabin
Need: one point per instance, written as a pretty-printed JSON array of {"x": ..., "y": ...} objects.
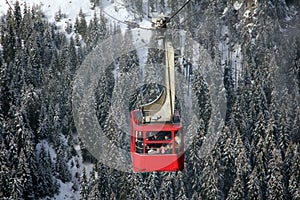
[
  {"x": 167, "y": 137},
  {"x": 154, "y": 137},
  {"x": 166, "y": 149},
  {"x": 162, "y": 149}
]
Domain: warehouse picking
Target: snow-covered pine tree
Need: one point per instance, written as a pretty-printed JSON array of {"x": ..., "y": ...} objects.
[
  {"x": 275, "y": 178},
  {"x": 61, "y": 165},
  {"x": 225, "y": 159},
  {"x": 137, "y": 187},
  {"x": 81, "y": 24},
  {"x": 16, "y": 186},
  {"x": 103, "y": 186},
  {"x": 84, "y": 185},
  {"x": 45, "y": 183},
  {"x": 201, "y": 98},
  {"x": 239, "y": 187},
  {"x": 209, "y": 185},
  {"x": 8, "y": 38},
  {"x": 4, "y": 170},
  {"x": 256, "y": 180},
  {"x": 96, "y": 31},
  {"x": 181, "y": 193},
  {"x": 153, "y": 185},
  {"x": 284, "y": 128},
  {"x": 167, "y": 186},
  {"x": 193, "y": 155},
  {"x": 294, "y": 186}
]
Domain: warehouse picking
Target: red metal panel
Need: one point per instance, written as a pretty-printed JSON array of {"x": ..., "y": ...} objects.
[{"x": 160, "y": 162}]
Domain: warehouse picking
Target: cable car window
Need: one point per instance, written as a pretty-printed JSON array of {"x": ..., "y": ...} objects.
[
  {"x": 165, "y": 135},
  {"x": 165, "y": 148},
  {"x": 162, "y": 135},
  {"x": 162, "y": 147},
  {"x": 151, "y": 136}
]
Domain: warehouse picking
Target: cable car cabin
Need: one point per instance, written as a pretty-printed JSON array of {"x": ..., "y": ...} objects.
[
  {"x": 156, "y": 140},
  {"x": 155, "y": 146}
]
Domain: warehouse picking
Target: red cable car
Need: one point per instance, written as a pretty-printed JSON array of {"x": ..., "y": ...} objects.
[
  {"x": 156, "y": 140},
  {"x": 155, "y": 146}
]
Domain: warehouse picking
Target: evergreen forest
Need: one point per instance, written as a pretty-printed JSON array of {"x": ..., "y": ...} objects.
[{"x": 254, "y": 43}]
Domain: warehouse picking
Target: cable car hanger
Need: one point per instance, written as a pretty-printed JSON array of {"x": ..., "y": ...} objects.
[{"x": 135, "y": 25}]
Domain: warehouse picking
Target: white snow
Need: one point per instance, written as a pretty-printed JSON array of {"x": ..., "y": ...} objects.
[
  {"x": 141, "y": 37},
  {"x": 50, "y": 7},
  {"x": 47, "y": 147},
  {"x": 237, "y": 5},
  {"x": 225, "y": 11},
  {"x": 66, "y": 190},
  {"x": 3, "y": 8},
  {"x": 250, "y": 27},
  {"x": 247, "y": 14}
]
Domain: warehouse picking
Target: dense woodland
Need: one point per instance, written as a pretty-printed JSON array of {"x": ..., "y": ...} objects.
[{"x": 257, "y": 155}]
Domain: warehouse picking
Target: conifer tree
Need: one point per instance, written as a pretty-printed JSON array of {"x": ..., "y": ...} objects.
[
  {"x": 209, "y": 185},
  {"x": 294, "y": 186},
  {"x": 256, "y": 180},
  {"x": 153, "y": 186},
  {"x": 136, "y": 187},
  {"x": 16, "y": 186},
  {"x": 4, "y": 170},
  {"x": 24, "y": 175},
  {"x": 283, "y": 132},
  {"x": 225, "y": 157},
  {"x": 194, "y": 156},
  {"x": 61, "y": 166},
  {"x": 44, "y": 182},
  {"x": 275, "y": 182},
  {"x": 181, "y": 193},
  {"x": 81, "y": 24},
  {"x": 239, "y": 187},
  {"x": 202, "y": 99},
  {"x": 103, "y": 183},
  {"x": 167, "y": 187},
  {"x": 124, "y": 183},
  {"x": 94, "y": 32},
  {"x": 84, "y": 191},
  {"x": 8, "y": 38}
]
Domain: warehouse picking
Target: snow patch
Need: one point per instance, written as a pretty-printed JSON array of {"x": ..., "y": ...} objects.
[
  {"x": 142, "y": 38},
  {"x": 66, "y": 191},
  {"x": 237, "y": 5},
  {"x": 247, "y": 14},
  {"x": 225, "y": 11},
  {"x": 48, "y": 148},
  {"x": 70, "y": 10},
  {"x": 75, "y": 166},
  {"x": 250, "y": 27}
]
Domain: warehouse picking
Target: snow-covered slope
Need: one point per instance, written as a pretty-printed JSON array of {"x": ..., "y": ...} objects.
[
  {"x": 50, "y": 7},
  {"x": 70, "y": 9}
]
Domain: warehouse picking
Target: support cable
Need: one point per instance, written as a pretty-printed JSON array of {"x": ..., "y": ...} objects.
[{"x": 174, "y": 14}]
